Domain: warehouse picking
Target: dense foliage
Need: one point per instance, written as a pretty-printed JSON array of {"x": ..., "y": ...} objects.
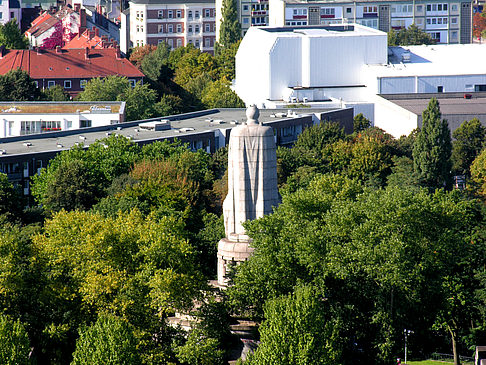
[
  {"x": 363, "y": 245},
  {"x": 410, "y": 36}
]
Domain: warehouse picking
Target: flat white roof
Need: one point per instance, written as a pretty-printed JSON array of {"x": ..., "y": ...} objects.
[
  {"x": 332, "y": 30},
  {"x": 434, "y": 60}
]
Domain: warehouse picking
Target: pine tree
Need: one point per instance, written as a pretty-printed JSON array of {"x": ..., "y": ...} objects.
[
  {"x": 230, "y": 30},
  {"x": 432, "y": 149}
]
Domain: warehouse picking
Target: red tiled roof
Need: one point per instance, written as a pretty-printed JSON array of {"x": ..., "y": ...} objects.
[
  {"x": 70, "y": 63},
  {"x": 90, "y": 40}
]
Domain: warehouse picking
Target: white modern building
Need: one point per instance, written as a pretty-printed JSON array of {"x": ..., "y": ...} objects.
[
  {"x": 26, "y": 118},
  {"x": 351, "y": 66},
  {"x": 175, "y": 22}
]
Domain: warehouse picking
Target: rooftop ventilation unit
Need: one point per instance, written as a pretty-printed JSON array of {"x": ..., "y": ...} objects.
[
  {"x": 27, "y": 144},
  {"x": 406, "y": 56},
  {"x": 156, "y": 125}
]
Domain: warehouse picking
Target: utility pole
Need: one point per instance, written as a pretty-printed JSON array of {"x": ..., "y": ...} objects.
[{"x": 406, "y": 333}]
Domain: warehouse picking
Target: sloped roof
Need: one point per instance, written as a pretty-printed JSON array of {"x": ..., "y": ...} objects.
[
  {"x": 90, "y": 40},
  {"x": 70, "y": 63},
  {"x": 41, "y": 24}
]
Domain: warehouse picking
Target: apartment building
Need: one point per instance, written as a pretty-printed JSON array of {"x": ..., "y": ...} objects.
[
  {"x": 9, "y": 10},
  {"x": 447, "y": 21},
  {"x": 175, "y": 22}
]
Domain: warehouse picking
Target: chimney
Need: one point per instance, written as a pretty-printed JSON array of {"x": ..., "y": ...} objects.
[
  {"x": 117, "y": 52},
  {"x": 77, "y": 8},
  {"x": 82, "y": 18},
  {"x": 58, "y": 49},
  {"x": 38, "y": 50},
  {"x": 96, "y": 31},
  {"x": 86, "y": 53}
]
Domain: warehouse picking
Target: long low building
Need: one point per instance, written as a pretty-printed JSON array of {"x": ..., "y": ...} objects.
[
  {"x": 24, "y": 156},
  {"x": 27, "y": 118}
]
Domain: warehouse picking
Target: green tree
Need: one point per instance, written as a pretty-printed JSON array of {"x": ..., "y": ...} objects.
[
  {"x": 360, "y": 123},
  {"x": 200, "y": 350},
  {"x": 168, "y": 105},
  {"x": 226, "y": 60},
  {"x": 478, "y": 175},
  {"x": 14, "y": 342},
  {"x": 16, "y": 85},
  {"x": 155, "y": 64},
  {"x": 104, "y": 89},
  {"x": 109, "y": 341},
  {"x": 230, "y": 28},
  {"x": 11, "y": 37},
  {"x": 469, "y": 140},
  {"x": 56, "y": 93},
  {"x": 11, "y": 201},
  {"x": 432, "y": 149},
  {"x": 218, "y": 94},
  {"x": 140, "y": 101},
  {"x": 297, "y": 330},
  {"x": 410, "y": 36}
]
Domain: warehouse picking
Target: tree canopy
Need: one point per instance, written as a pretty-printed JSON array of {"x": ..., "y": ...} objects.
[{"x": 410, "y": 36}]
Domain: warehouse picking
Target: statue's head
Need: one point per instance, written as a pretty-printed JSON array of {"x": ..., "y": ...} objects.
[{"x": 252, "y": 114}]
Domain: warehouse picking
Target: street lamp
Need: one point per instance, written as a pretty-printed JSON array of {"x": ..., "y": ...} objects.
[{"x": 406, "y": 333}]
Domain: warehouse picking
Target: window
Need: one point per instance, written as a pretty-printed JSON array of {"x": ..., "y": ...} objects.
[
  {"x": 196, "y": 43},
  {"x": 0, "y": 15},
  {"x": 348, "y": 10},
  {"x": 179, "y": 42},
  {"x": 207, "y": 28},
  {"x": 160, "y": 14},
  {"x": 207, "y": 13},
  {"x": 159, "y": 41},
  {"x": 439, "y": 7},
  {"x": 420, "y": 8},
  {"x": 133, "y": 83},
  {"x": 440, "y": 89},
  {"x": 429, "y": 7},
  {"x": 189, "y": 29},
  {"x": 170, "y": 42},
  {"x": 445, "y": 7},
  {"x": 196, "y": 14},
  {"x": 189, "y": 14},
  {"x": 245, "y": 7},
  {"x": 67, "y": 84},
  {"x": 139, "y": 28},
  {"x": 170, "y": 14},
  {"x": 196, "y": 29},
  {"x": 140, "y": 15},
  {"x": 160, "y": 28},
  {"x": 170, "y": 28},
  {"x": 82, "y": 84},
  {"x": 327, "y": 11},
  {"x": 453, "y": 20},
  {"x": 245, "y": 20},
  {"x": 84, "y": 123},
  {"x": 207, "y": 42},
  {"x": 178, "y": 13},
  {"x": 50, "y": 84},
  {"x": 12, "y": 15},
  {"x": 179, "y": 28},
  {"x": 454, "y": 7}
]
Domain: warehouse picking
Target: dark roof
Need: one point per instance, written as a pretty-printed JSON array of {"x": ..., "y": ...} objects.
[
  {"x": 70, "y": 63},
  {"x": 448, "y": 106}
]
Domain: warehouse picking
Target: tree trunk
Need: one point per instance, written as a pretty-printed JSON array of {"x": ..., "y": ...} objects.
[{"x": 457, "y": 360}]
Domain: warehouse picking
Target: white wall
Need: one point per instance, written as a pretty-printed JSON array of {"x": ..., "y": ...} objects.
[
  {"x": 429, "y": 84},
  {"x": 393, "y": 119}
]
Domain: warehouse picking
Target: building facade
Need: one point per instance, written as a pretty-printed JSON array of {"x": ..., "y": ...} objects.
[
  {"x": 446, "y": 21},
  {"x": 176, "y": 23},
  {"x": 9, "y": 10}
]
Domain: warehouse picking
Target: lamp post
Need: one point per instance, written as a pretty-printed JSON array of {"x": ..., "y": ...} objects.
[{"x": 406, "y": 333}]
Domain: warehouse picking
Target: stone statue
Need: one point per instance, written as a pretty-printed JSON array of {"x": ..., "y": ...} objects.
[{"x": 252, "y": 187}]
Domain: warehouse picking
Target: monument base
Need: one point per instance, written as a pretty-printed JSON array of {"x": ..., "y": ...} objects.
[{"x": 231, "y": 253}]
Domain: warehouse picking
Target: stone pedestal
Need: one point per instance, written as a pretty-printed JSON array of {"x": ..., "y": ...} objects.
[{"x": 231, "y": 253}]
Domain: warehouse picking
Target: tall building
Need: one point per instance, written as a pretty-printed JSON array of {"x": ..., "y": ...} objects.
[
  {"x": 445, "y": 20},
  {"x": 175, "y": 22}
]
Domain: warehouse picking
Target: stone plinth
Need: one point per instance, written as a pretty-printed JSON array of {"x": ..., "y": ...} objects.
[{"x": 231, "y": 253}]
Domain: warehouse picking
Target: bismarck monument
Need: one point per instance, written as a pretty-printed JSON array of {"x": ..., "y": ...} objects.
[{"x": 252, "y": 188}]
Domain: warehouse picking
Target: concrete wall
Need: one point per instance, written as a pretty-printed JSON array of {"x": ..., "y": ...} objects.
[
  {"x": 429, "y": 84},
  {"x": 393, "y": 119}
]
